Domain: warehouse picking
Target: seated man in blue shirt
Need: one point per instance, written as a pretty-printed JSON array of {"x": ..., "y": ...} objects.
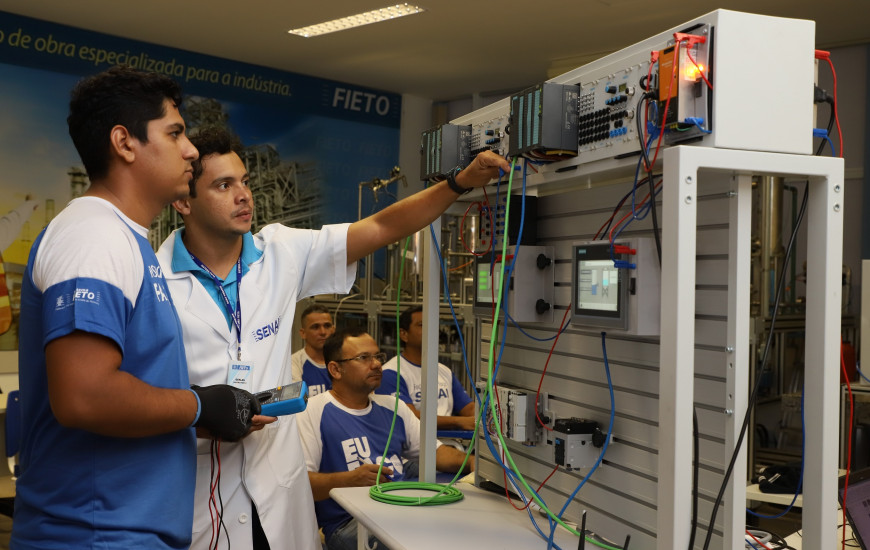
[
  {"x": 307, "y": 364},
  {"x": 344, "y": 434},
  {"x": 455, "y": 408}
]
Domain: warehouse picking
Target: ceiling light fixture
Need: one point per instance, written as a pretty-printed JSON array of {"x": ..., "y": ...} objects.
[{"x": 358, "y": 20}]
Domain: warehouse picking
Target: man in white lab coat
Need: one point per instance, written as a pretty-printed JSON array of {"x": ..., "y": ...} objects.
[{"x": 215, "y": 267}]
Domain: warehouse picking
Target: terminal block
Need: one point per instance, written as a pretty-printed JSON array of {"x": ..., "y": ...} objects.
[{"x": 518, "y": 420}]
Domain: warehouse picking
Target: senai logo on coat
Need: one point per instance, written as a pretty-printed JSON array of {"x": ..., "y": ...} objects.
[{"x": 266, "y": 330}]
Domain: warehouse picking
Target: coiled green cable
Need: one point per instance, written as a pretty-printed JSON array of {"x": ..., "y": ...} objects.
[{"x": 446, "y": 494}]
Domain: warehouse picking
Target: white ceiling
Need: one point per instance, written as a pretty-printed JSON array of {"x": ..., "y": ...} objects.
[{"x": 453, "y": 49}]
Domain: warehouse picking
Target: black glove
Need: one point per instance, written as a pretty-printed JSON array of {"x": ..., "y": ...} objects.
[{"x": 225, "y": 411}]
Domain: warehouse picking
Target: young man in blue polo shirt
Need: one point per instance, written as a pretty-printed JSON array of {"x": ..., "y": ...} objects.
[{"x": 107, "y": 450}]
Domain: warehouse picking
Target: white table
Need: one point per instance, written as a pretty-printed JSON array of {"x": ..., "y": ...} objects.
[
  {"x": 480, "y": 520},
  {"x": 784, "y": 499}
]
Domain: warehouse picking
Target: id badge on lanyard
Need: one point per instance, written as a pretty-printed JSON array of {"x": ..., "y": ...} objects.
[{"x": 240, "y": 374}]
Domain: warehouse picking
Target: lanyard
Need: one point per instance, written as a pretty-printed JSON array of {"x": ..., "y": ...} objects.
[{"x": 236, "y": 315}]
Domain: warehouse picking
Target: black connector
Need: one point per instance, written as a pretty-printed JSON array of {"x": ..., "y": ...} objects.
[
  {"x": 598, "y": 437},
  {"x": 820, "y": 95}
]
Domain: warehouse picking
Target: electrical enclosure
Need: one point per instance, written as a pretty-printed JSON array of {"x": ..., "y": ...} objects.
[{"x": 530, "y": 287}]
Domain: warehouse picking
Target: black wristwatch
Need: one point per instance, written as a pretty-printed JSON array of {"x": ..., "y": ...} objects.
[{"x": 451, "y": 182}]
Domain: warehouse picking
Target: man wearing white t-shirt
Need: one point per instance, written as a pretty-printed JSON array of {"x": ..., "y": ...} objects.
[
  {"x": 307, "y": 364},
  {"x": 455, "y": 408}
]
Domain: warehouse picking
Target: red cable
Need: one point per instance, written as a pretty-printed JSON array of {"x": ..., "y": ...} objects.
[
  {"x": 756, "y": 540},
  {"x": 849, "y": 447},
  {"x": 457, "y": 268},
  {"x": 637, "y": 206},
  {"x": 538, "y": 490},
  {"x": 220, "y": 516},
  {"x": 836, "y": 115},
  {"x": 700, "y": 72},
  {"x": 212, "y": 506},
  {"x": 645, "y": 121},
  {"x": 504, "y": 473},
  {"x": 480, "y": 207},
  {"x": 667, "y": 104},
  {"x": 556, "y": 339},
  {"x": 619, "y": 207},
  {"x": 615, "y": 211}
]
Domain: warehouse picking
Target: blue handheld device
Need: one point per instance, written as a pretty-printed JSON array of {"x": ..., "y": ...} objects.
[{"x": 283, "y": 400}]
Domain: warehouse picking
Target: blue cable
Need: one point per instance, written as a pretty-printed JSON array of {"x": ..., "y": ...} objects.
[
  {"x": 801, "y": 479},
  {"x": 505, "y": 288},
  {"x": 833, "y": 151},
  {"x": 445, "y": 278},
  {"x": 513, "y": 263},
  {"x": 512, "y": 476},
  {"x": 823, "y": 133},
  {"x": 505, "y": 293},
  {"x": 634, "y": 210},
  {"x": 487, "y": 438},
  {"x": 606, "y": 441},
  {"x": 697, "y": 121},
  {"x": 645, "y": 209},
  {"x": 518, "y": 327},
  {"x": 509, "y": 274},
  {"x": 862, "y": 374},
  {"x": 484, "y": 406},
  {"x": 637, "y": 175},
  {"x": 749, "y": 542}
]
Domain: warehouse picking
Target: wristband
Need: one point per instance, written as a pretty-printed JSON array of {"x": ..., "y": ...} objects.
[
  {"x": 198, "y": 408},
  {"x": 451, "y": 182}
]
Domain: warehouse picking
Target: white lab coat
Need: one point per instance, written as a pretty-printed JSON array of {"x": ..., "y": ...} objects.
[{"x": 268, "y": 466}]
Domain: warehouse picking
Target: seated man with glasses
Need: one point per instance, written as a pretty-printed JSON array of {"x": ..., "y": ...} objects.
[{"x": 344, "y": 433}]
